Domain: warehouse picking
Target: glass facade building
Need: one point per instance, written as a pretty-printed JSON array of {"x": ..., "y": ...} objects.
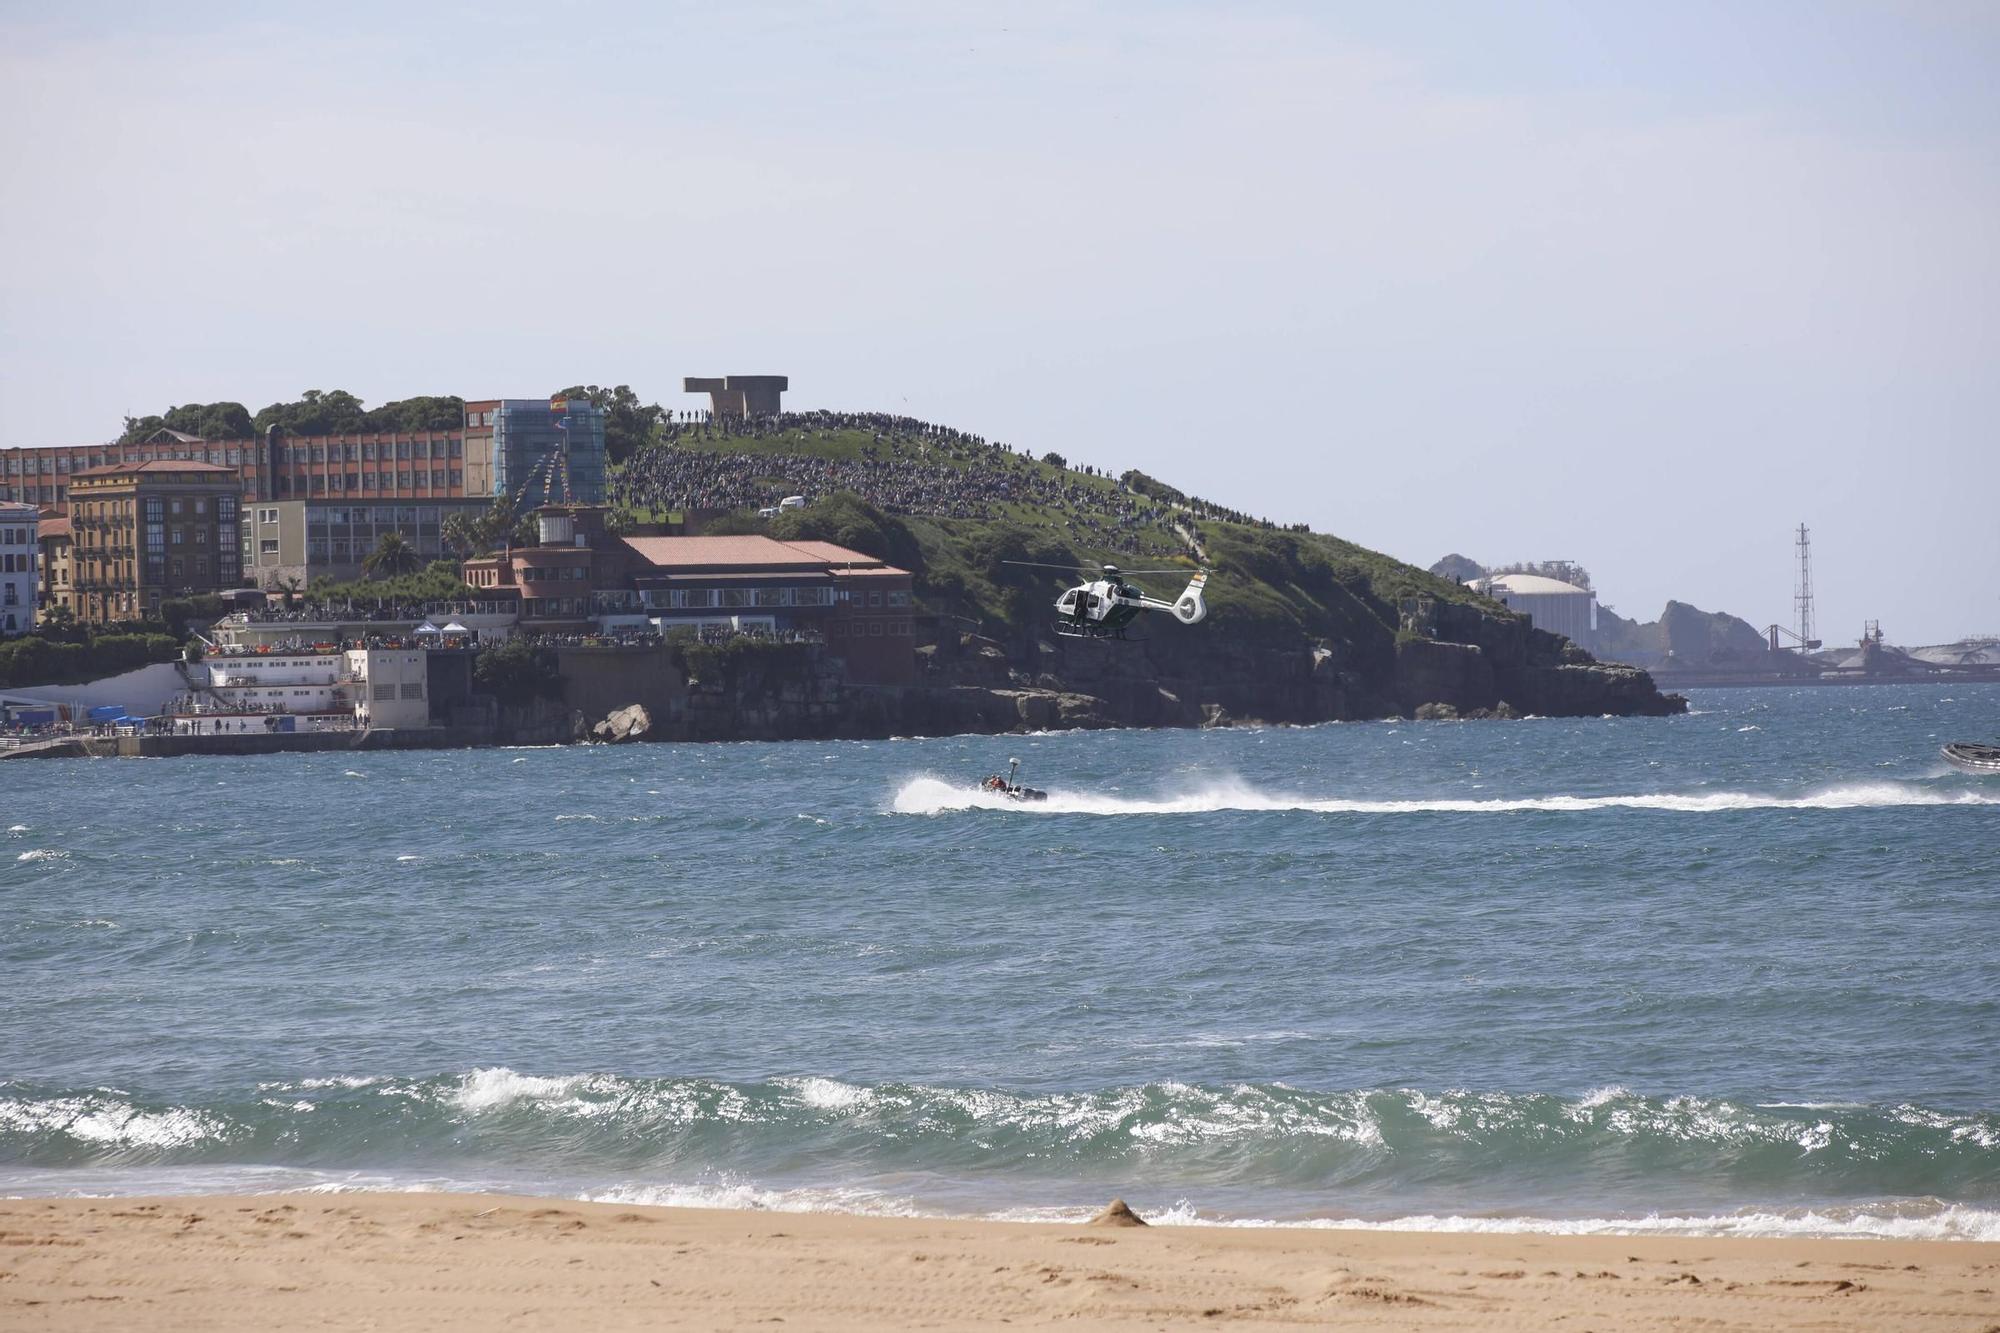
[{"x": 543, "y": 454}]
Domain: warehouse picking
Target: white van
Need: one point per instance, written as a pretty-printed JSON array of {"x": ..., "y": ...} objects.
[{"x": 792, "y": 502}]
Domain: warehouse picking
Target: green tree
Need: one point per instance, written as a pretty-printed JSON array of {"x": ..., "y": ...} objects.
[
  {"x": 474, "y": 535},
  {"x": 517, "y": 672},
  {"x": 408, "y": 415},
  {"x": 209, "y": 421},
  {"x": 629, "y": 425},
  {"x": 317, "y": 412},
  {"x": 391, "y": 557}
]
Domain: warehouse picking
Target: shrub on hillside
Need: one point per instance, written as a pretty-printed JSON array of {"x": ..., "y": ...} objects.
[
  {"x": 517, "y": 672},
  {"x": 35, "y": 660}
]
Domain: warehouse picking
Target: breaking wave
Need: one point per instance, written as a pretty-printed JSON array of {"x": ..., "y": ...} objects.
[
  {"x": 931, "y": 796},
  {"x": 1867, "y": 1170}
]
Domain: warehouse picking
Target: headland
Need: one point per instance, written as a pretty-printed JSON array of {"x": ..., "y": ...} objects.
[{"x": 796, "y": 575}]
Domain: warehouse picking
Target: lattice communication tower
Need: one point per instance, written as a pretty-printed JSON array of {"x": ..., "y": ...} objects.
[{"x": 1802, "y": 595}]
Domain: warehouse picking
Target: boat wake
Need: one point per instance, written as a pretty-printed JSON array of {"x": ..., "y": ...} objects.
[{"x": 934, "y": 796}]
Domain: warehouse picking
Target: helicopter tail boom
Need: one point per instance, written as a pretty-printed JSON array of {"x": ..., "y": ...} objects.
[{"x": 1188, "y": 608}]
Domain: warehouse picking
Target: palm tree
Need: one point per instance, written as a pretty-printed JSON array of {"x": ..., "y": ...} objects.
[
  {"x": 461, "y": 532},
  {"x": 391, "y": 557}
]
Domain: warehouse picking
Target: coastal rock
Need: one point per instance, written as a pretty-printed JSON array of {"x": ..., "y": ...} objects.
[
  {"x": 1117, "y": 1214},
  {"x": 1437, "y": 713},
  {"x": 1455, "y": 675},
  {"x": 631, "y": 723}
]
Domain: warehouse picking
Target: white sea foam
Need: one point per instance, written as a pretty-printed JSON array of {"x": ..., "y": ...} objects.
[
  {"x": 17, "y": 828},
  {"x": 409, "y": 858},
  {"x": 44, "y": 854},
  {"x": 828, "y": 1094},
  {"x": 742, "y": 1195},
  {"x": 1925, "y": 1219},
  {"x": 109, "y": 1122},
  {"x": 493, "y": 1089},
  {"x": 931, "y": 796}
]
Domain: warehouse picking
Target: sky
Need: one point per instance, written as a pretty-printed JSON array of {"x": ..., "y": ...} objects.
[{"x": 1642, "y": 287}]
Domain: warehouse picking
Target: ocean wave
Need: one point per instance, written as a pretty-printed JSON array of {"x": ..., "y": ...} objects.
[
  {"x": 1378, "y": 1143},
  {"x": 44, "y": 854},
  {"x": 932, "y": 796}
]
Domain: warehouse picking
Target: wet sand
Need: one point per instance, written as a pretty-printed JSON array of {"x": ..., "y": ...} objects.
[{"x": 454, "y": 1261}]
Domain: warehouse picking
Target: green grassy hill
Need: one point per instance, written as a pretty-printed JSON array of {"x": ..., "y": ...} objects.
[{"x": 1267, "y": 582}]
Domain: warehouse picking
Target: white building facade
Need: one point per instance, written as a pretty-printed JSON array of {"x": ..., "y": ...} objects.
[
  {"x": 389, "y": 687},
  {"x": 19, "y": 551},
  {"x": 323, "y": 687}
]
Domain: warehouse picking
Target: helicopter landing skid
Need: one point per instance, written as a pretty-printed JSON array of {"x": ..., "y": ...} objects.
[{"x": 1074, "y": 631}]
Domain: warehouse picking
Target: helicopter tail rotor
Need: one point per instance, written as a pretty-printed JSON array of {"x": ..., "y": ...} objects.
[{"x": 1189, "y": 608}]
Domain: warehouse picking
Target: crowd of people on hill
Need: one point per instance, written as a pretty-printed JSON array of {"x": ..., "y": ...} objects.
[
  {"x": 316, "y": 613},
  {"x": 909, "y": 466}
]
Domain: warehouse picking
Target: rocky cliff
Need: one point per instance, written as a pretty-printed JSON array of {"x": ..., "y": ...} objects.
[{"x": 1463, "y": 662}]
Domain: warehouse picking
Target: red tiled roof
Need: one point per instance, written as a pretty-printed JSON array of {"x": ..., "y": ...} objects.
[
  {"x": 706, "y": 552},
  {"x": 54, "y": 526},
  {"x": 750, "y": 553},
  {"x": 153, "y": 465},
  {"x": 838, "y": 555}
]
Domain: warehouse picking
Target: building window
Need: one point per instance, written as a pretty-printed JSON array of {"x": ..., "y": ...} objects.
[
  {"x": 268, "y": 546},
  {"x": 179, "y": 566}
]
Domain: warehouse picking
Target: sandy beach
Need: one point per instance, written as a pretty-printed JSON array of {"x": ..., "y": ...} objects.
[{"x": 441, "y": 1261}]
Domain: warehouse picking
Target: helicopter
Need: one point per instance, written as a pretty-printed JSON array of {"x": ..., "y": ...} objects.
[{"x": 1103, "y": 607}]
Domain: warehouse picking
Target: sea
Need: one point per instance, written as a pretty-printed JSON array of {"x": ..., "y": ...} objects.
[{"x": 1732, "y": 973}]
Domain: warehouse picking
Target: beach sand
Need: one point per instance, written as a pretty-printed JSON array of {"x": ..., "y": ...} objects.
[{"x": 456, "y": 1261}]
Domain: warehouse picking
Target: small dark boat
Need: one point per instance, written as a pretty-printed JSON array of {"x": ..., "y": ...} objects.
[
  {"x": 1972, "y": 758},
  {"x": 1009, "y": 788}
]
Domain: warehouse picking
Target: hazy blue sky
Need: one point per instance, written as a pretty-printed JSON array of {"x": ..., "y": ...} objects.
[{"x": 1638, "y": 289}]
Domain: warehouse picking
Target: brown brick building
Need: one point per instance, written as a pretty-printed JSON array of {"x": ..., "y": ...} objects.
[
  {"x": 145, "y": 532},
  {"x": 579, "y": 575}
]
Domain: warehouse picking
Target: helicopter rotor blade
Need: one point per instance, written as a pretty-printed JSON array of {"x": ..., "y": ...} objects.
[{"x": 1036, "y": 564}]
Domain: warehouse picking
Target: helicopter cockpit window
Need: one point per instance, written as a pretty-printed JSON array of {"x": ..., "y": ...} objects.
[{"x": 1068, "y": 602}]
